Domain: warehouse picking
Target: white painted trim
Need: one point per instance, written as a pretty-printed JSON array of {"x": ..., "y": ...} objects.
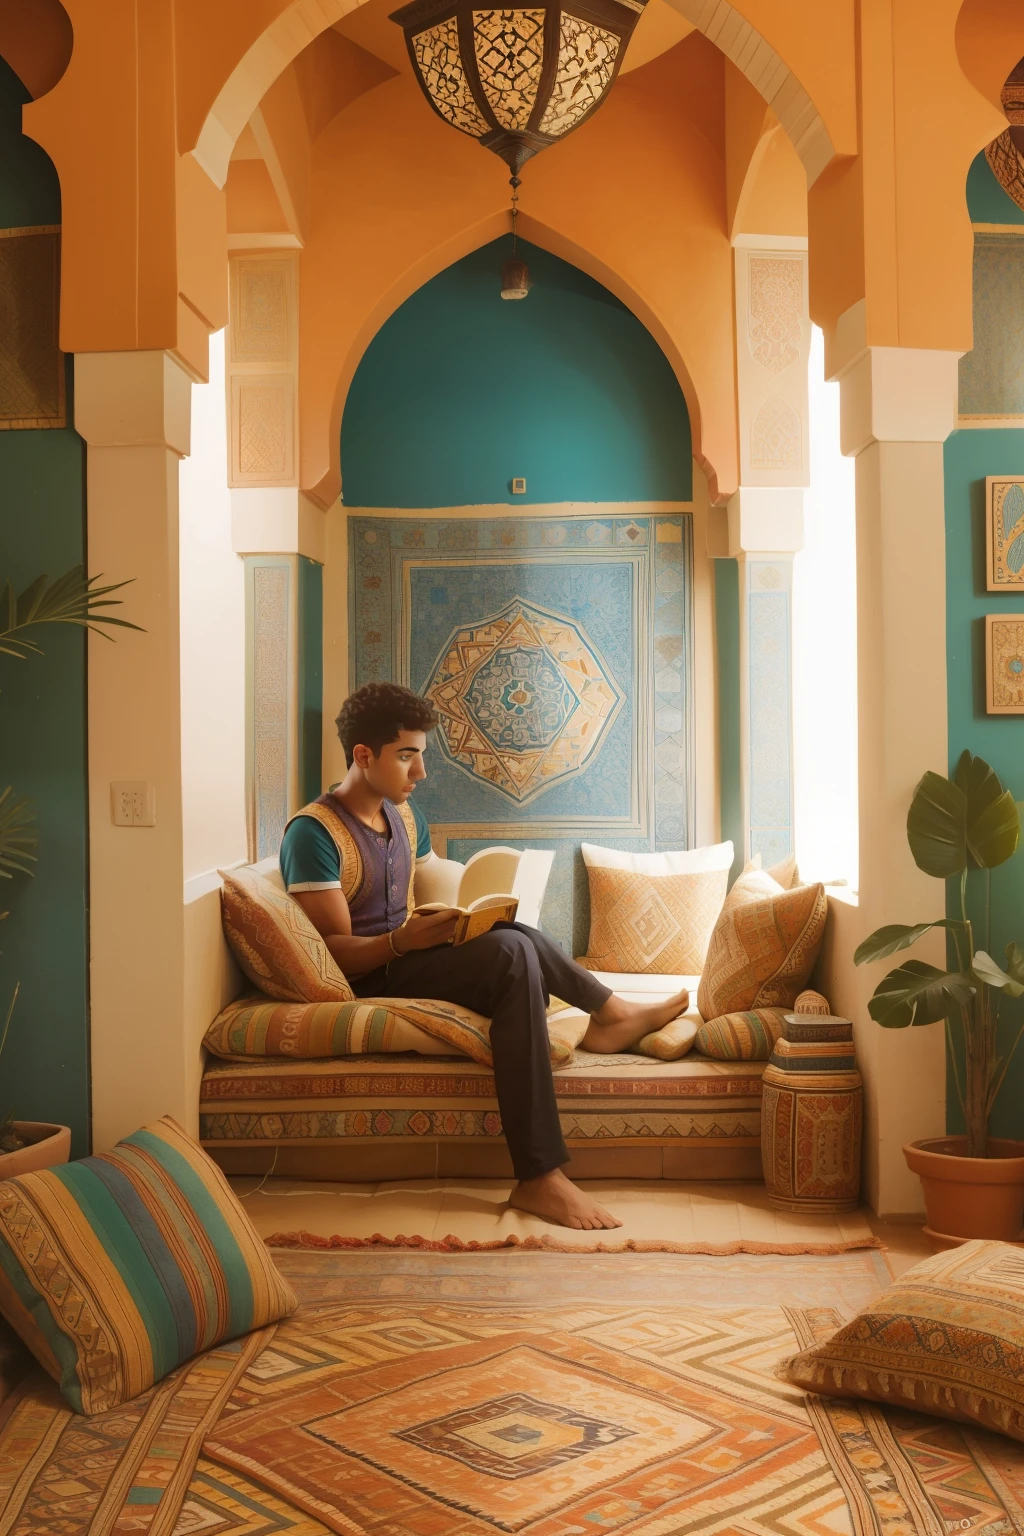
[
  {"x": 769, "y": 242},
  {"x": 197, "y": 886}
]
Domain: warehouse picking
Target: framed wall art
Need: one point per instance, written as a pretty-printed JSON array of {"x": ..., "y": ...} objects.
[
  {"x": 1004, "y": 663},
  {"x": 1004, "y": 532}
]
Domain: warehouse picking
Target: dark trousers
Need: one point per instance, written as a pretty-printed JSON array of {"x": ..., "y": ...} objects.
[{"x": 507, "y": 975}]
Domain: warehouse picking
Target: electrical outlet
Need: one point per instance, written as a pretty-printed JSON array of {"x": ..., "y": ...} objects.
[{"x": 132, "y": 803}]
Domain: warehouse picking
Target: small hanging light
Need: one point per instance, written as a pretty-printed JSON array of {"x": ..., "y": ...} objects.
[
  {"x": 515, "y": 274},
  {"x": 516, "y": 80}
]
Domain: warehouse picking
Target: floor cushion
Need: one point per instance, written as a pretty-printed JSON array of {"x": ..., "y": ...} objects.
[
  {"x": 252, "y": 1028},
  {"x": 653, "y": 912},
  {"x": 115, "y": 1269},
  {"x": 275, "y": 943},
  {"x": 763, "y": 947},
  {"x": 947, "y": 1338}
]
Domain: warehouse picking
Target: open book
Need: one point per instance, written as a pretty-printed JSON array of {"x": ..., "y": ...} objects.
[{"x": 479, "y": 917}]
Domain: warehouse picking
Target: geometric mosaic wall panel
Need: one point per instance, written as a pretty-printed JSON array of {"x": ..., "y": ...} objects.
[
  {"x": 31, "y": 362},
  {"x": 557, "y": 652}
]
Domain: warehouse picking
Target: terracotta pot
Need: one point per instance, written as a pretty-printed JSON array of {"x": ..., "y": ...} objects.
[
  {"x": 45, "y": 1147},
  {"x": 967, "y": 1197}
]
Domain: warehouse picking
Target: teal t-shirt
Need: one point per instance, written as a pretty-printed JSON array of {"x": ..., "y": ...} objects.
[{"x": 309, "y": 858}]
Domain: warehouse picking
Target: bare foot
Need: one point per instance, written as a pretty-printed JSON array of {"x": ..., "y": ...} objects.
[
  {"x": 557, "y": 1199},
  {"x": 620, "y": 1024}
]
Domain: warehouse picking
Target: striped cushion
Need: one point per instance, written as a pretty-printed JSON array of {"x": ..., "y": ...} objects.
[
  {"x": 253, "y": 1028},
  {"x": 741, "y": 1036},
  {"x": 117, "y": 1268}
]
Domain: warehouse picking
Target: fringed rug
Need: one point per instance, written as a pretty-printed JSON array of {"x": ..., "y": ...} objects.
[{"x": 452, "y": 1216}]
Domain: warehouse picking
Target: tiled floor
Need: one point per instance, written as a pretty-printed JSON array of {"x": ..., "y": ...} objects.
[{"x": 476, "y": 1211}]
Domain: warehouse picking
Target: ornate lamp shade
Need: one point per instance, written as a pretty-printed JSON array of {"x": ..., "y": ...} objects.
[{"x": 516, "y": 80}]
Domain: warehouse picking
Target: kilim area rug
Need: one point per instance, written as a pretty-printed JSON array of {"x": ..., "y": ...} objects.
[
  {"x": 421, "y": 1395},
  {"x": 417, "y": 1394}
]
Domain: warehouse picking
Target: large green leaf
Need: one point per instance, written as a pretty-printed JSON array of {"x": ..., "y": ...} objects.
[
  {"x": 896, "y": 936},
  {"x": 937, "y": 827},
  {"x": 73, "y": 598},
  {"x": 986, "y": 969},
  {"x": 18, "y": 838},
  {"x": 993, "y": 819},
  {"x": 917, "y": 993}
]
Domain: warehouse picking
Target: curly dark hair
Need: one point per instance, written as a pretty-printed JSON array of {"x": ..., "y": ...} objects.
[{"x": 377, "y": 712}]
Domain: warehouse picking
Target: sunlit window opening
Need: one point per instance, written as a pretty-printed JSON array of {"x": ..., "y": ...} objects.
[{"x": 825, "y": 651}]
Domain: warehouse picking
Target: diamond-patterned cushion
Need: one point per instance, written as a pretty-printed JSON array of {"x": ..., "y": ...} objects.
[
  {"x": 763, "y": 947},
  {"x": 641, "y": 922},
  {"x": 276, "y": 944},
  {"x": 947, "y": 1338}
]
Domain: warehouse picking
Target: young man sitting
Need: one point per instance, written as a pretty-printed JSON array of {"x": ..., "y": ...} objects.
[{"x": 347, "y": 859}]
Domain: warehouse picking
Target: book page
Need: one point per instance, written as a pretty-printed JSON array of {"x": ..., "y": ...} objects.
[{"x": 482, "y": 918}]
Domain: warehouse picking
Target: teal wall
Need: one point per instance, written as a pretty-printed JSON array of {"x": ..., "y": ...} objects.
[
  {"x": 311, "y": 677},
  {"x": 991, "y": 380},
  {"x": 987, "y": 201},
  {"x": 44, "y": 1072},
  {"x": 461, "y": 390},
  {"x": 727, "y": 652}
]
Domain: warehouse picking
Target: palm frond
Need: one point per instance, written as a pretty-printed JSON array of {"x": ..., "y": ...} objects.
[
  {"x": 18, "y": 836},
  {"x": 73, "y": 598}
]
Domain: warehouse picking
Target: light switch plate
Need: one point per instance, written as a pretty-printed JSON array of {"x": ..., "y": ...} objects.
[{"x": 132, "y": 803}]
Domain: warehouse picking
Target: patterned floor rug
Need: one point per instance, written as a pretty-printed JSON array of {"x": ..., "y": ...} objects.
[{"x": 416, "y": 1395}]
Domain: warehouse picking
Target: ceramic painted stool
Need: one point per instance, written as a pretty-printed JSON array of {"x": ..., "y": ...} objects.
[{"x": 811, "y": 1116}]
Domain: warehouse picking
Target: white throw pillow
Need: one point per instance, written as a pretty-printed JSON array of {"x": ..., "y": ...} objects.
[{"x": 686, "y": 861}]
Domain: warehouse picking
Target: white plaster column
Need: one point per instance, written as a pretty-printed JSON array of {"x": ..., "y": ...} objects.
[
  {"x": 133, "y": 410},
  {"x": 275, "y": 527},
  {"x": 765, "y": 519},
  {"x": 897, "y": 407}
]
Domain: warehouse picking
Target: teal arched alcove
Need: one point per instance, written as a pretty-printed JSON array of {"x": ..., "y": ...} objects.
[{"x": 460, "y": 391}]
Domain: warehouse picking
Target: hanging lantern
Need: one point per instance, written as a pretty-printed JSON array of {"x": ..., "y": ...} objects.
[
  {"x": 515, "y": 279},
  {"x": 516, "y": 80}
]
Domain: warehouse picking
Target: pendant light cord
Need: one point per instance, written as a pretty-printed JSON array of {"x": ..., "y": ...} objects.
[{"x": 513, "y": 182}]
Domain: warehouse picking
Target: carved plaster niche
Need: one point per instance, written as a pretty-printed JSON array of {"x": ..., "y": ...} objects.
[
  {"x": 773, "y": 342},
  {"x": 263, "y": 369}
]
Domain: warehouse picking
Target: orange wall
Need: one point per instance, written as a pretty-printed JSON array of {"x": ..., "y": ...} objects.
[{"x": 397, "y": 196}]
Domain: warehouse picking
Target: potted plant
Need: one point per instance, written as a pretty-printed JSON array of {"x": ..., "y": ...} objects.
[
  {"x": 973, "y": 1184},
  {"x": 74, "y": 598}
]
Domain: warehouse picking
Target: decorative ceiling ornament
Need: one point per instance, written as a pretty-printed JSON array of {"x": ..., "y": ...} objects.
[
  {"x": 1006, "y": 153},
  {"x": 516, "y": 80}
]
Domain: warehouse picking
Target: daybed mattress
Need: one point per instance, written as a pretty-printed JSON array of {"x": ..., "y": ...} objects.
[{"x": 377, "y": 1117}]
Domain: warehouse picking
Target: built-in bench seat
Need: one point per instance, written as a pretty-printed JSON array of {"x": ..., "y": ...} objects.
[{"x": 370, "y": 1118}]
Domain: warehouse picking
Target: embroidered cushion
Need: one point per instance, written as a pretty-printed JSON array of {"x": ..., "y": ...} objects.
[
  {"x": 752, "y": 1036},
  {"x": 275, "y": 943},
  {"x": 251, "y": 1028},
  {"x": 653, "y": 912},
  {"x": 947, "y": 1338},
  {"x": 763, "y": 947},
  {"x": 115, "y": 1269},
  {"x": 671, "y": 1041},
  {"x": 747, "y": 1036}
]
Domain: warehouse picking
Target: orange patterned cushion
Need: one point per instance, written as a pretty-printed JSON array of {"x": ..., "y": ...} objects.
[
  {"x": 946, "y": 1338},
  {"x": 763, "y": 948},
  {"x": 276, "y": 944},
  {"x": 643, "y": 922},
  {"x": 749, "y": 1036}
]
